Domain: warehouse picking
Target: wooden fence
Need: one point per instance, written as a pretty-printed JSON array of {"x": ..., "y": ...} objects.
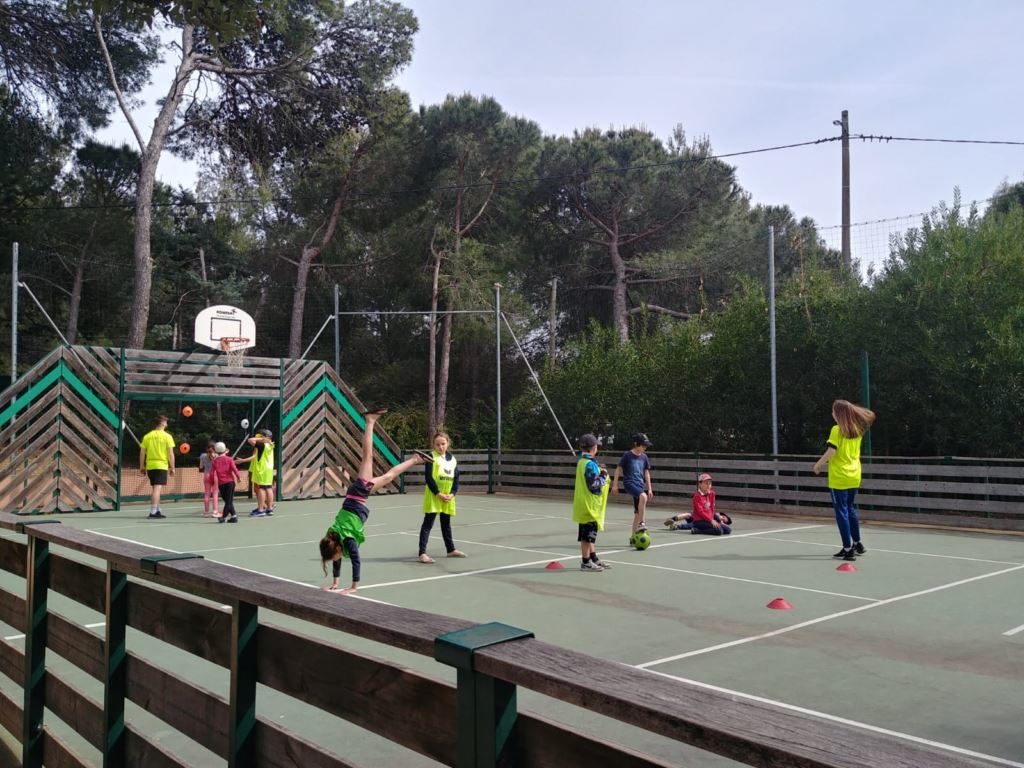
[
  {"x": 475, "y": 723},
  {"x": 955, "y": 491}
]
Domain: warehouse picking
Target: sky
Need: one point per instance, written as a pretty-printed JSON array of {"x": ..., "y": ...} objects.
[{"x": 749, "y": 75}]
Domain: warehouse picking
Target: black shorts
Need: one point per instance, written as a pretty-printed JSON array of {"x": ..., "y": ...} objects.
[
  {"x": 257, "y": 485},
  {"x": 157, "y": 476},
  {"x": 587, "y": 532}
]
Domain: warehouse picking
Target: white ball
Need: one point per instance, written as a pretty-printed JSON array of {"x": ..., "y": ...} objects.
[{"x": 245, "y": 423}]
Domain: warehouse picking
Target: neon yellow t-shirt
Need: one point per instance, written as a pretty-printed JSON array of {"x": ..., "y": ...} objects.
[
  {"x": 844, "y": 466},
  {"x": 156, "y": 443}
]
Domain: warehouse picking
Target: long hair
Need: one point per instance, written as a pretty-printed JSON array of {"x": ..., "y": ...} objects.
[
  {"x": 328, "y": 546},
  {"x": 854, "y": 420}
]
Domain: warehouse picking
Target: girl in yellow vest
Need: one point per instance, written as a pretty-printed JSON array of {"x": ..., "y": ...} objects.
[
  {"x": 843, "y": 458},
  {"x": 261, "y": 472},
  {"x": 442, "y": 478}
]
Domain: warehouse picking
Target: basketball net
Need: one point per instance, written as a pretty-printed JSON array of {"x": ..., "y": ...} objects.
[{"x": 234, "y": 348}]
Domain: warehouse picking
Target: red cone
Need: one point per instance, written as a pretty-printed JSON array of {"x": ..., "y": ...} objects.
[
  {"x": 847, "y": 567},
  {"x": 779, "y": 604},
  {"x": 554, "y": 565}
]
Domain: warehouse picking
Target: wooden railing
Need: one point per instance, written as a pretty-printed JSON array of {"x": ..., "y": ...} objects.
[
  {"x": 955, "y": 491},
  {"x": 472, "y": 724}
]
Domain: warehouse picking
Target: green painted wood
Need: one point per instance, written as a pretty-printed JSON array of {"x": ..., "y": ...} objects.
[{"x": 116, "y": 669}]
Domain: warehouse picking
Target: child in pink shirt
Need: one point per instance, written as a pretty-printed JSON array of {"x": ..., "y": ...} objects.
[{"x": 226, "y": 472}]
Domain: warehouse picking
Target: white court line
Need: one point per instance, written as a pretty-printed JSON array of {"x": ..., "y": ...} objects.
[
  {"x": 87, "y": 626},
  {"x": 904, "y": 552},
  {"x": 820, "y": 619},
  {"x": 844, "y": 721},
  {"x": 701, "y": 538},
  {"x": 499, "y": 546},
  {"x": 748, "y": 581},
  {"x": 566, "y": 557},
  {"x": 1014, "y": 631}
]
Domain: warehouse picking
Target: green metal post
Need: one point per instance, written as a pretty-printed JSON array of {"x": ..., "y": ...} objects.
[
  {"x": 116, "y": 651},
  {"x": 865, "y": 380},
  {"x": 279, "y": 453},
  {"x": 490, "y": 470},
  {"x": 485, "y": 706},
  {"x": 120, "y": 432},
  {"x": 242, "y": 725},
  {"x": 37, "y": 581}
]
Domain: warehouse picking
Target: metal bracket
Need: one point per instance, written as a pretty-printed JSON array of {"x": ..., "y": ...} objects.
[
  {"x": 456, "y": 649},
  {"x": 19, "y": 527},
  {"x": 149, "y": 562}
]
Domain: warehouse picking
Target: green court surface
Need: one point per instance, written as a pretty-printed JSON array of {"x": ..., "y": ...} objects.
[{"x": 924, "y": 640}]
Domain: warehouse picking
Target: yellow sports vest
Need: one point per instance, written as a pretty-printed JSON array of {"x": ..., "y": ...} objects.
[
  {"x": 588, "y": 507},
  {"x": 444, "y": 478},
  {"x": 156, "y": 444},
  {"x": 262, "y": 468}
]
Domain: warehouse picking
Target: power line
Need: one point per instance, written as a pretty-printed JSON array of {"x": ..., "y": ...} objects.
[
  {"x": 438, "y": 188},
  {"x": 872, "y": 137}
]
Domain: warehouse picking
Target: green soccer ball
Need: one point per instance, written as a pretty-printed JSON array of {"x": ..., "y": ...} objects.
[{"x": 641, "y": 540}]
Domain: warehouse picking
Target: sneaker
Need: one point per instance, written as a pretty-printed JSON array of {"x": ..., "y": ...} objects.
[
  {"x": 642, "y": 526},
  {"x": 859, "y": 548},
  {"x": 222, "y": 519},
  {"x": 232, "y": 519},
  {"x": 218, "y": 514},
  {"x": 456, "y": 553},
  {"x": 605, "y": 566},
  {"x": 846, "y": 554},
  {"x": 270, "y": 511},
  {"x": 670, "y": 523},
  {"x": 591, "y": 567},
  {"x": 158, "y": 515},
  {"x": 425, "y": 558},
  {"x": 257, "y": 513}
]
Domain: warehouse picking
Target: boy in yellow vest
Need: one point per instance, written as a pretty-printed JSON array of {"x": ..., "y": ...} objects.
[
  {"x": 589, "y": 500},
  {"x": 261, "y": 472}
]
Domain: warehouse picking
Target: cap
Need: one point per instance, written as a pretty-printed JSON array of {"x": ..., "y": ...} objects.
[
  {"x": 639, "y": 438},
  {"x": 703, "y": 476},
  {"x": 220, "y": 448},
  {"x": 588, "y": 441},
  {"x": 266, "y": 432}
]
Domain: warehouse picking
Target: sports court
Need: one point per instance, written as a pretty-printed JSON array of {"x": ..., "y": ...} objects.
[{"x": 924, "y": 640}]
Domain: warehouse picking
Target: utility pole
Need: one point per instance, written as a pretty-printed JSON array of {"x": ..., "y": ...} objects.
[
  {"x": 844, "y": 125},
  {"x": 553, "y": 323},
  {"x": 14, "y": 313},
  {"x": 337, "y": 331}
]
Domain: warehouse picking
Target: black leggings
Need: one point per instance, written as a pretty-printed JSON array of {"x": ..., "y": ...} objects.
[
  {"x": 227, "y": 492},
  {"x": 446, "y": 531}
]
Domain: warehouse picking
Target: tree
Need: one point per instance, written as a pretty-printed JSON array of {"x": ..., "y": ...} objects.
[
  {"x": 302, "y": 78},
  {"x": 473, "y": 148},
  {"x": 622, "y": 197}
]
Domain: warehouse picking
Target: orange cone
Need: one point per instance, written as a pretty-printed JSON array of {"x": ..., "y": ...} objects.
[
  {"x": 554, "y": 565},
  {"x": 780, "y": 604},
  {"x": 847, "y": 567}
]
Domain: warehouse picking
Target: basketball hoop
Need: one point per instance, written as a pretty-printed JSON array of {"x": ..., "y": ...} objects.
[{"x": 234, "y": 348}]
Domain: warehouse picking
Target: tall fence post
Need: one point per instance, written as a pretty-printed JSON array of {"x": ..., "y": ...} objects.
[
  {"x": 490, "y": 470},
  {"x": 486, "y": 707},
  {"x": 242, "y": 725},
  {"x": 37, "y": 586},
  {"x": 116, "y": 668}
]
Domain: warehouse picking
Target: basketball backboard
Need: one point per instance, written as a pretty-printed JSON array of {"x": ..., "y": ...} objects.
[{"x": 225, "y": 322}]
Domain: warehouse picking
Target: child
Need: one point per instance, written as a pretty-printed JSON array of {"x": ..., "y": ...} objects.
[
  {"x": 346, "y": 533},
  {"x": 209, "y": 480},
  {"x": 226, "y": 471},
  {"x": 589, "y": 501},
  {"x": 704, "y": 518},
  {"x": 261, "y": 472},
  {"x": 684, "y": 521},
  {"x": 442, "y": 476},
  {"x": 844, "y": 471},
  {"x": 156, "y": 460},
  {"x": 635, "y": 468}
]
